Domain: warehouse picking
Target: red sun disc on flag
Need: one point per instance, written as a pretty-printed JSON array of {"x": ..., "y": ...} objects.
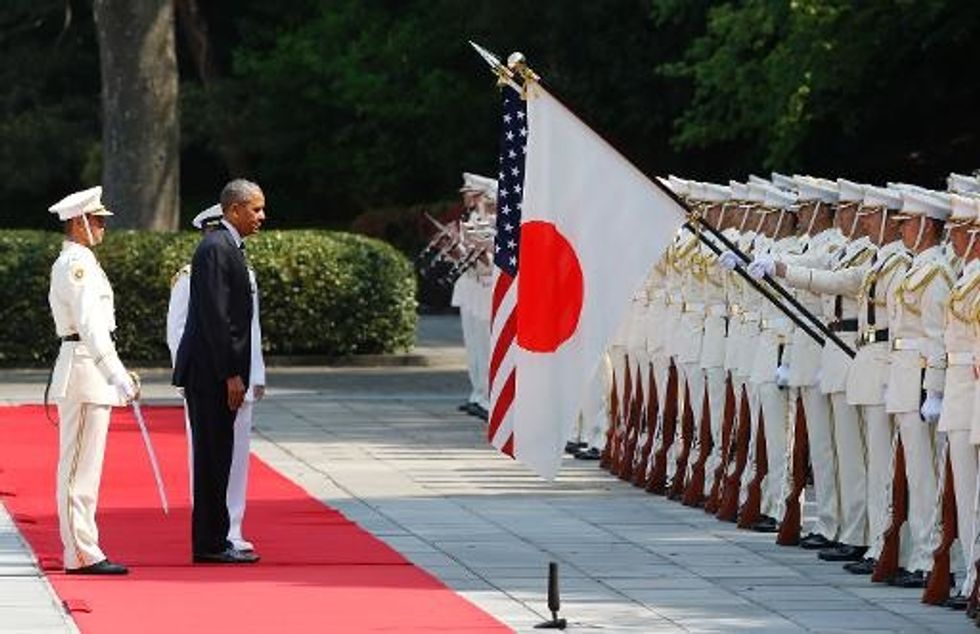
[{"x": 550, "y": 288}]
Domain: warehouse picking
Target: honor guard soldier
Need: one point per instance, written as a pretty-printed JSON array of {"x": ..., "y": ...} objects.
[
  {"x": 918, "y": 364},
  {"x": 88, "y": 378},
  {"x": 176, "y": 318}
]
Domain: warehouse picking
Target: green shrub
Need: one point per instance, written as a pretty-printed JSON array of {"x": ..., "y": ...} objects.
[{"x": 322, "y": 293}]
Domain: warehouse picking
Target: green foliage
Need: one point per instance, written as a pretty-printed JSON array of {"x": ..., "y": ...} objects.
[{"x": 321, "y": 293}]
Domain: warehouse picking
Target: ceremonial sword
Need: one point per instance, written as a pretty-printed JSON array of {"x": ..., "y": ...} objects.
[{"x": 141, "y": 422}]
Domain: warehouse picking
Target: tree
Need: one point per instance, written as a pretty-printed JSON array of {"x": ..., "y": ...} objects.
[{"x": 140, "y": 130}]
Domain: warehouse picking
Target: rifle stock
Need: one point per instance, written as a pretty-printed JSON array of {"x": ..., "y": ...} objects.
[
  {"x": 619, "y": 440},
  {"x": 732, "y": 485},
  {"x": 657, "y": 482},
  {"x": 714, "y": 496},
  {"x": 694, "y": 491},
  {"x": 937, "y": 588},
  {"x": 605, "y": 458},
  {"x": 632, "y": 433},
  {"x": 687, "y": 439},
  {"x": 751, "y": 511},
  {"x": 789, "y": 528},
  {"x": 652, "y": 408},
  {"x": 887, "y": 564}
]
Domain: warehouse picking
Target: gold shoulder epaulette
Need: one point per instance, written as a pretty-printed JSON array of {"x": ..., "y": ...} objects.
[
  {"x": 860, "y": 257},
  {"x": 184, "y": 270},
  {"x": 961, "y": 294}
]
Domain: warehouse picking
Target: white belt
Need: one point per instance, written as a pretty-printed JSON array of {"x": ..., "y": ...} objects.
[
  {"x": 906, "y": 343},
  {"x": 693, "y": 307},
  {"x": 959, "y": 358},
  {"x": 772, "y": 324},
  {"x": 717, "y": 310}
]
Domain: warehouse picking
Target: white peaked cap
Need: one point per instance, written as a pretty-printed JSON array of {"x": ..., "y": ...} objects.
[
  {"x": 882, "y": 197},
  {"x": 782, "y": 181},
  {"x": 964, "y": 208},
  {"x": 679, "y": 186},
  {"x": 850, "y": 191},
  {"x": 716, "y": 193},
  {"x": 758, "y": 180},
  {"x": 479, "y": 184},
  {"x": 757, "y": 192},
  {"x": 211, "y": 213},
  {"x": 87, "y": 201},
  {"x": 780, "y": 199},
  {"x": 962, "y": 184},
  {"x": 739, "y": 190},
  {"x": 926, "y": 203},
  {"x": 816, "y": 189}
]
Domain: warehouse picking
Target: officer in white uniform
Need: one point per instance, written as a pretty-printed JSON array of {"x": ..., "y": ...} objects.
[
  {"x": 176, "y": 318},
  {"x": 88, "y": 378}
]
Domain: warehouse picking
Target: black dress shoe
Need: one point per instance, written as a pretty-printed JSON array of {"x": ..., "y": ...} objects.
[
  {"x": 906, "y": 579},
  {"x": 864, "y": 567},
  {"x": 104, "y": 567},
  {"x": 592, "y": 453},
  {"x": 766, "y": 524},
  {"x": 816, "y": 541},
  {"x": 843, "y": 552},
  {"x": 464, "y": 407},
  {"x": 574, "y": 446},
  {"x": 479, "y": 412},
  {"x": 956, "y": 603},
  {"x": 226, "y": 556}
]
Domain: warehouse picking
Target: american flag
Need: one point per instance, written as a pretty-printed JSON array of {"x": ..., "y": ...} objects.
[{"x": 503, "y": 321}]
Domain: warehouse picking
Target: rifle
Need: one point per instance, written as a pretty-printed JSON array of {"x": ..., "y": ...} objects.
[
  {"x": 619, "y": 440},
  {"x": 632, "y": 432},
  {"x": 732, "y": 484},
  {"x": 887, "y": 564},
  {"x": 687, "y": 439},
  {"x": 605, "y": 458},
  {"x": 713, "y": 501},
  {"x": 650, "y": 414},
  {"x": 937, "y": 587},
  {"x": 694, "y": 492},
  {"x": 789, "y": 528},
  {"x": 657, "y": 481},
  {"x": 751, "y": 510}
]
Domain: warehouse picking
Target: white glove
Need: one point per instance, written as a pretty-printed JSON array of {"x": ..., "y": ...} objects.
[
  {"x": 762, "y": 267},
  {"x": 782, "y": 375},
  {"x": 126, "y": 386},
  {"x": 932, "y": 407},
  {"x": 729, "y": 260}
]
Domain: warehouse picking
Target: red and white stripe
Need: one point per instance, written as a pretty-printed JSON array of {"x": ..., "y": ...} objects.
[{"x": 503, "y": 370}]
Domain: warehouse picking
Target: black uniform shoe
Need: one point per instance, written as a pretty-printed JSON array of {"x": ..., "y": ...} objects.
[
  {"x": 766, "y": 524},
  {"x": 464, "y": 407},
  {"x": 816, "y": 541},
  {"x": 479, "y": 412},
  {"x": 956, "y": 603},
  {"x": 863, "y": 567},
  {"x": 226, "y": 556},
  {"x": 906, "y": 579},
  {"x": 104, "y": 567},
  {"x": 843, "y": 552},
  {"x": 592, "y": 453},
  {"x": 574, "y": 446}
]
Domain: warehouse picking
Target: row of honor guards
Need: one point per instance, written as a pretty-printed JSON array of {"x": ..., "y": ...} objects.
[
  {"x": 459, "y": 256},
  {"x": 718, "y": 398}
]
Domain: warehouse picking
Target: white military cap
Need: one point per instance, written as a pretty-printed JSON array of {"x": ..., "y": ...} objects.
[
  {"x": 756, "y": 191},
  {"x": 964, "y": 208},
  {"x": 782, "y": 181},
  {"x": 715, "y": 193},
  {"x": 87, "y": 201},
  {"x": 882, "y": 197},
  {"x": 780, "y": 199},
  {"x": 677, "y": 185},
  {"x": 739, "y": 190},
  {"x": 479, "y": 184},
  {"x": 211, "y": 213},
  {"x": 926, "y": 203},
  {"x": 816, "y": 189},
  {"x": 850, "y": 191},
  {"x": 758, "y": 180},
  {"x": 962, "y": 184}
]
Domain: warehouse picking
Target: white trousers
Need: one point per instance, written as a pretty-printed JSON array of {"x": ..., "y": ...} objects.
[
  {"x": 878, "y": 429},
  {"x": 476, "y": 339},
  {"x": 963, "y": 458},
  {"x": 81, "y": 448},
  {"x": 851, "y": 443},
  {"x": 693, "y": 376},
  {"x": 715, "y": 381},
  {"x": 918, "y": 441},
  {"x": 238, "y": 476},
  {"x": 772, "y": 403},
  {"x": 594, "y": 417},
  {"x": 823, "y": 457}
]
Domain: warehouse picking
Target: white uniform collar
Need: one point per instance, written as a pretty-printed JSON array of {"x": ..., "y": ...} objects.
[
  {"x": 932, "y": 253},
  {"x": 234, "y": 233},
  {"x": 972, "y": 267},
  {"x": 886, "y": 250}
]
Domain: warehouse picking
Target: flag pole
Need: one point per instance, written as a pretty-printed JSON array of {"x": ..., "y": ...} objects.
[{"x": 519, "y": 76}]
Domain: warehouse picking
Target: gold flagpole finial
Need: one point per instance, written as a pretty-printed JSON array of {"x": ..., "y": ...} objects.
[
  {"x": 517, "y": 64},
  {"x": 505, "y": 76}
]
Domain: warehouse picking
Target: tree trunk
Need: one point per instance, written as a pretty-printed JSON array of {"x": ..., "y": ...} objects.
[{"x": 140, "y": 129}]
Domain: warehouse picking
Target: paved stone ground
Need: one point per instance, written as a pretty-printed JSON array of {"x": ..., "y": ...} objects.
[{"x": 387, "y": 447}]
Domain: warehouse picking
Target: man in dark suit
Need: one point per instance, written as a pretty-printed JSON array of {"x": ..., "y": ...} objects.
[{"x": 213, "y": 364}]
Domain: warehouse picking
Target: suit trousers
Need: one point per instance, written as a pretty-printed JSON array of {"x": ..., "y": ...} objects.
[
  {"x": 772, "y": 403},
  {"x": 213, "y": 433},
  {"x": 851, "y": 441},
  {"x": 963, "y": 458},
  {"x": 716, "y": 387},
  {"x": 918, "y": 441},
  {"x": 823, "y": 457},
  {"x": 81, "y": 440}
]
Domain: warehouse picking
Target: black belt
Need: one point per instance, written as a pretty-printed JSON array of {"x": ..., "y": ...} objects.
[
  {"x": 844, "y": 325},
  {"x": 876, "y": 336},
  {"x": 73, "y": 337}
]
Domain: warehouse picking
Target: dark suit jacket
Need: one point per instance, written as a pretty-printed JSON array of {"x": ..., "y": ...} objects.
[{"x": 217, "y": 340}]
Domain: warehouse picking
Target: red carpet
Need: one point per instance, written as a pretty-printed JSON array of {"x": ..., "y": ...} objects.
[{"x": 319, "y": 571}]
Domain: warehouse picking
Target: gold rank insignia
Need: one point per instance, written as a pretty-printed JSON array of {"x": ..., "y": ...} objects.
[{"x": 77, "y": 273}]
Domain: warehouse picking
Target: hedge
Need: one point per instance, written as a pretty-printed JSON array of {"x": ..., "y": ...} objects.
[{"x": 322, "y": 293}]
